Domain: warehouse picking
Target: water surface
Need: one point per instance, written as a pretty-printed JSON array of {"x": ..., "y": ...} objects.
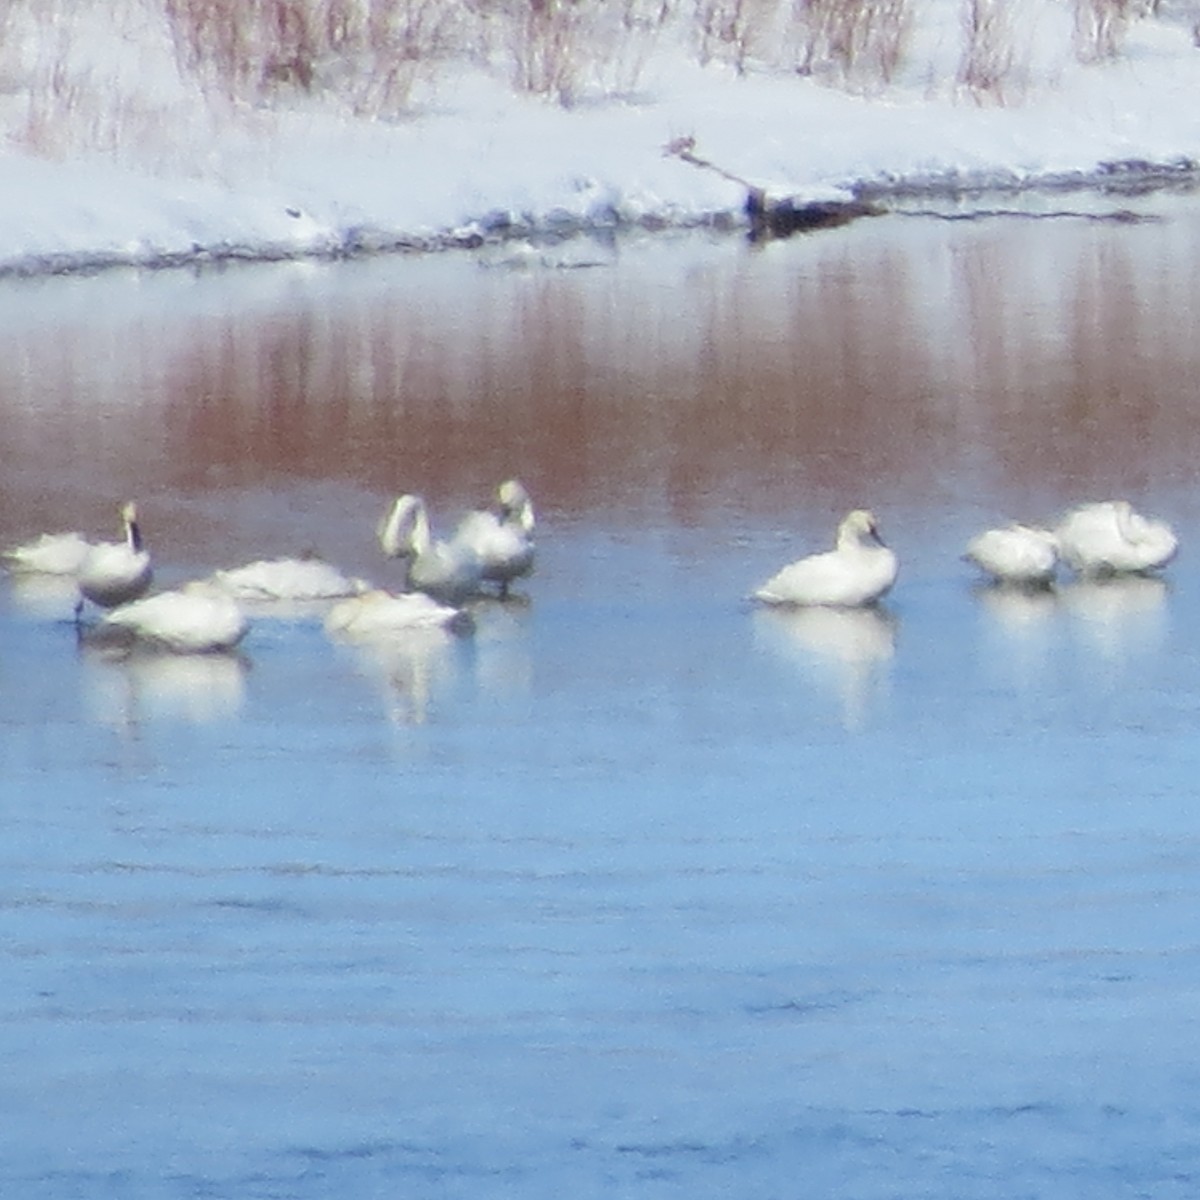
[{"x": 635, "y": 890}]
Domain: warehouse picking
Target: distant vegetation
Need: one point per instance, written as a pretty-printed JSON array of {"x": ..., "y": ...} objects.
[
  {"x": 111, "y": 75},
  {"x": 374, "y": 53}
]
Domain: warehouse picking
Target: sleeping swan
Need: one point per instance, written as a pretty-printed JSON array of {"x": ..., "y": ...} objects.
[
  {"x": 449, "y": 571},
  {"x": 51, "y": 554},
  {"x": 286, "y": 579},
  {"x": 502, "y": 536},
  {"x": 857, "y": 572},
  {"x": 377, "y": 613},
  {"x": 1110, "y": 538},
  {"x": 197, "y": 618},
  {"x": 1016, "y": 554},
  {"x": 114, "y": 573}
]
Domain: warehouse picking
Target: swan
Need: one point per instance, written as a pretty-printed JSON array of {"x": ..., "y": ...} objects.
[
  {"x": 857, "y": 572},
  {"x": 1016, "y": 554},
  {"x": 51, "y": 554},
  {"x": 114, "y": 573},
  {"x": 287, "y": 579},
  {"x": 379, "y": 612},
  {"x": 196, "y": 618},
  {"x": 1110, "y": 538},
  {"x": 502, "y": 535},
  {"x": 449, "y": 571}
]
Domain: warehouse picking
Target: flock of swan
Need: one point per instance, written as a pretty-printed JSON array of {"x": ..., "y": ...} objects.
[
  {"x": 490, "y": 549},
  {"x": 1104, "y": 538},
  {"x": 494, "y": 546}
]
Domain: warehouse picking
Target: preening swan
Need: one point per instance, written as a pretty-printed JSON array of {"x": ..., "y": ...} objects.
[
  {"x": 1016, "y": 554},
  {"x": 377, "y": 613},
  {"x": 448, "y": 571},
  {"x": 502, "y": 535},
  {"x": 858, "y": 571},
  {"x": 287, "y": 579},
  {"x": 1110, "y": 538},
  {"x": 114, "y": 573},
  {"x": 51, "y": 554},
  {"x": 197, "y": 618}
]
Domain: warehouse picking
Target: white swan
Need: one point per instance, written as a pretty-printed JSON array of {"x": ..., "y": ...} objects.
[
  {"x": 1110, "y": 538},
  {"x": 197, "y": 618},
  {"x": 51, "y": 554},
  {"x": 1016, "y": 554},
  {"x": 379, "y": 612},
  {"x": 857, "y": 572},
  {"x": 114, "y": 573},
  {"x": 449, "y": 571},
  {"x": 287, "y": 579},
  {"x": 502, "y": 536}
]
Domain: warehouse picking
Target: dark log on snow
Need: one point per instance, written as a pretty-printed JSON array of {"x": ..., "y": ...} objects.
[
  {"x": 787, "y": 215},
  {"x": 777, "y": 217}
]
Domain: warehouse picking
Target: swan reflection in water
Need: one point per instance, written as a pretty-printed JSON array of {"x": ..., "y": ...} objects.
[
  {"x": 503, "y": 666},
  {"x": 1119, "y": 616},
  {"x": 1023, "y": 618},
  {"x": 410, "y": 666},
  {"x": 126, "y": 688},
  {"x": 44, "y": 597},
  {"x": 1114, "y": 617},
  {"x": 846, "y": 649}
]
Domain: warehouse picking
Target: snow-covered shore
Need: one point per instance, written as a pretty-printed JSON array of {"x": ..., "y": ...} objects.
[{"x": 478, "y": 160}]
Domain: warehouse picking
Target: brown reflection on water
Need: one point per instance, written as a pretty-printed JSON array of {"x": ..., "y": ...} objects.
[{"x": 1011, "y": 363}]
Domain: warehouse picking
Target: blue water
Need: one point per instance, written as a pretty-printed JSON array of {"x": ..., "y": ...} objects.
[{"x": 633, "y": 891}]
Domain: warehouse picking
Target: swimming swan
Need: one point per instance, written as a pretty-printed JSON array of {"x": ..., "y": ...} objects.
[
  {"x": 1110, "y": 538},
  {"x": 502, "y": 535},
  {"x": 114, "y": 573},
  {"x": 379, "y": 612},
  {"x": 857, "y": 572},
  {"x": 287, "y": 579},
  {"x": 449, "y": 571},
  {"x": 1016, "y": 554},
  {"x": 51, "y": 554},
  {"x": 197, "y": 618}
]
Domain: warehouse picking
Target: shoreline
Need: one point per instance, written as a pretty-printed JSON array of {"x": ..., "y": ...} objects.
[{"x": 913, "y": 195}]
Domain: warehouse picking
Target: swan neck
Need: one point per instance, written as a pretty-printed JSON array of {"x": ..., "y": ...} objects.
[{"x": 420, "y": 530}]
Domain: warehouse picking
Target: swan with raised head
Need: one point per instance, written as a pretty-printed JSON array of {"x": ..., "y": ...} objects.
[
  {"x": 114, "y": 573},
  {"x": 197, "y": 618},
  {"x": 502, "y": 535},
  {"x": 51, "y": 554},
  {"x": 377, "y": 613},
  {"x": 1110, "y": 538},
  {"x": 299, "y": 579},
  {"x": 858, "y": 571},
  {"x": 449, "y": 571},
  {"x": 1016, "y": 554}
]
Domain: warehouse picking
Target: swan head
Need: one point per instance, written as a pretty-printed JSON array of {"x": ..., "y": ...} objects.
[
  {"x": 513, "y": 502},
  {"x": 857, "y": 526},
  {"x": 133, "y": 532},
  {"x": 511, "y": 495}
]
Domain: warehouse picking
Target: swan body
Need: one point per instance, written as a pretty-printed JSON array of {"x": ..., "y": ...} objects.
[
  {"x": 858, "y": 571},
  {"x": 449, "y": 571},
  {"x": 51, "y": 554},
  {"x": 287, "y": 579},
  {"x": 1110, "y": 538},
  {"x": 114, "y": 573},
  {"x": 502, "y": 535},
  {"x": 197, "y": 618},
  {"x": 379, "y": 612},
  {"x": 1017, "y": 554}
]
